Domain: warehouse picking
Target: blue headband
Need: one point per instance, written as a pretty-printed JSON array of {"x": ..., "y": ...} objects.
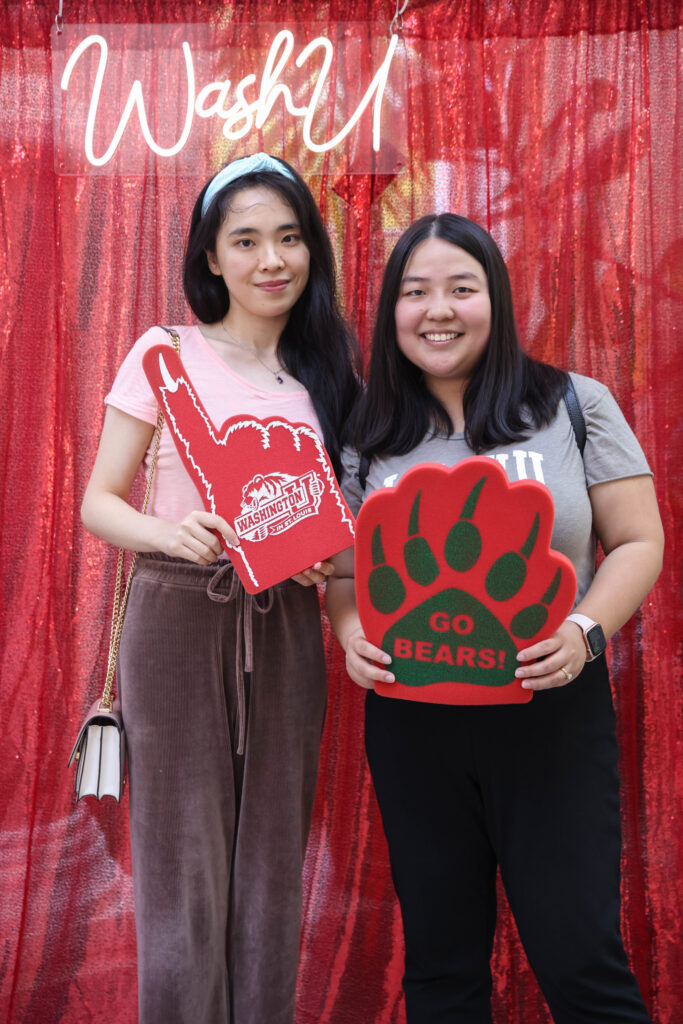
[{"x": 238, "y": 168}]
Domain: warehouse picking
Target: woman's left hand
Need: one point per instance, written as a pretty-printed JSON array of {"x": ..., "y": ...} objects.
[
  {"x": 563, "y": 656},
  {"x": 315, "y": 574}
]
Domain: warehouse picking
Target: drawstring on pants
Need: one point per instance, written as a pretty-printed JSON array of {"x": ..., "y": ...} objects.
[{"x": 244, "y": 646}]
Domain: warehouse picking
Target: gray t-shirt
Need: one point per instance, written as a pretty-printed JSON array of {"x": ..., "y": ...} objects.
[{"x": 550, "y": 456}]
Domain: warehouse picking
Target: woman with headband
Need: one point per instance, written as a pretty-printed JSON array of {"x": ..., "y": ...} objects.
[{"x": 223, "y": 695}]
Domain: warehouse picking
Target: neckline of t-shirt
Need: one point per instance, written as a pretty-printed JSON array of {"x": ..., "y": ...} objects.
[{"x": 238, "y": 377}]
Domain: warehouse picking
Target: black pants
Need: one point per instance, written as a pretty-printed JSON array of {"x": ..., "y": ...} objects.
[{"x": 532, "y": 788}]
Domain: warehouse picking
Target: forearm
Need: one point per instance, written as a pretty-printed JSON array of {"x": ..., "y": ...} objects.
[
  {"x": 627, "y": 522},
  {"x": 111, "y": 517},
  {"x": 626, "y": 519},
  {"x": 365, "y": 663},
  {"x": 621, "y": 583},
  {"x": 106, "y": 512},
  {"x": 340, "y": 602}
]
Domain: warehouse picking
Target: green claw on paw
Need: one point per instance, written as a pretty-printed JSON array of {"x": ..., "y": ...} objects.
[
  {"x": 506, "y": 576},
  {"x": 463, "y": 543},
  {"x": 421, "y": 565},
  {"x": 531, "y": 620},
  {"x": 385, "y": 586}
]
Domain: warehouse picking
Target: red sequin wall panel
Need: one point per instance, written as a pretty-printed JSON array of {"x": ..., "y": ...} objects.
[{"x": 556, "y": 126}]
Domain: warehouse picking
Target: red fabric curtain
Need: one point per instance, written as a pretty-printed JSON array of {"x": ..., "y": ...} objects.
[{"x": 557, "y": 126}]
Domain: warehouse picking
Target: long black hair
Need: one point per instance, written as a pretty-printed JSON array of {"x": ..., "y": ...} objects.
[
  {"x": 508, "y": 393},
  {"x": 316, "y": 346}
]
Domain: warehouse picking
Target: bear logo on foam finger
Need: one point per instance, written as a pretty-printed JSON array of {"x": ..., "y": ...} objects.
[
  {"x": 275, "y": 502},
  {"x": 454, "y": 575}
]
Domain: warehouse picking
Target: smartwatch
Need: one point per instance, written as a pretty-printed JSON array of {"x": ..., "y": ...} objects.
[{"x": 593, "y": 636}]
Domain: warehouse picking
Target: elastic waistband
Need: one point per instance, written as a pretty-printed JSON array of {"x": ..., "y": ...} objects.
[{"x": 154, "y": 565}]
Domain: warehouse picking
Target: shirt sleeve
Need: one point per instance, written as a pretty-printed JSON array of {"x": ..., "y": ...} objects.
[
  {"x": 350, "y": 483},
  {"x": 131, "y": 391},
  {"x": 612, "y": 450}
]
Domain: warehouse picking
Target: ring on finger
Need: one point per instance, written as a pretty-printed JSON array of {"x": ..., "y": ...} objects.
[{"x": 567, "y": 674}]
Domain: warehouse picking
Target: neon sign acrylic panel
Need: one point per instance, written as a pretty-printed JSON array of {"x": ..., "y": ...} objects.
[
  {"x": 271, "y": 479},
  {"x": 137, "y": 99}
]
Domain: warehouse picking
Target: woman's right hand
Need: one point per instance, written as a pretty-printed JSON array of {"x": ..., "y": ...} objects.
[
  {"x": 194, "y": 539},
  {"x": 360, "y": 658}
]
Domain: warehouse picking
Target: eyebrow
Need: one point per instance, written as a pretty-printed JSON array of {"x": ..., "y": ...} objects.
[
  {"x": 254, "y": 231},
  {"x": 467, "y": 275}
]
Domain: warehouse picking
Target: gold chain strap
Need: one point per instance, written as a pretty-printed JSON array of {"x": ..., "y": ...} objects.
[{"x": 120, "y": 602}]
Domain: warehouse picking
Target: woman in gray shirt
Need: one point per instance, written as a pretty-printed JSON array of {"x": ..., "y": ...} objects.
[{"x": 530, "y": 788}]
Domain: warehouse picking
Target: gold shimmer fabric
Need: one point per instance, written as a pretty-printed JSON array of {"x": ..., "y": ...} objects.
[{"x": 557, "y": 126}]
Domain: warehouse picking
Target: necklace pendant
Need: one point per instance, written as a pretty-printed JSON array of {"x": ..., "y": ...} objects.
[{"x": 278, "y": 378}]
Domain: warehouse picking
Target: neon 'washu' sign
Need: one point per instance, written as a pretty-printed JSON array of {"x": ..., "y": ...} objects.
[{"x": 132, "y": 97}]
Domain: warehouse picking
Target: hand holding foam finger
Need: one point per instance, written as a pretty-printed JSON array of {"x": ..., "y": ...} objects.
[
  {"x": 196, "y": 537},
  {"x": 314, "y": 575}
]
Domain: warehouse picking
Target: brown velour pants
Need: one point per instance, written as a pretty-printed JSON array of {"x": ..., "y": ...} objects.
[{"x": 218, "y": 837}]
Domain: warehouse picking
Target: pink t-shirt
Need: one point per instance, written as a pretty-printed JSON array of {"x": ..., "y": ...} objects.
[{"x": 222, "y": 392}]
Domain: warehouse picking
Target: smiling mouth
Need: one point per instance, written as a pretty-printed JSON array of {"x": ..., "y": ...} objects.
[
  {"x": 273, "y": 286},
  {"x": 440, "y": 337}
]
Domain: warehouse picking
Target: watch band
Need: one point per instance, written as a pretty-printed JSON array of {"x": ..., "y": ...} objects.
[
  {"x": 581, "y": 620},
  {"x": 593, "y": 636}
]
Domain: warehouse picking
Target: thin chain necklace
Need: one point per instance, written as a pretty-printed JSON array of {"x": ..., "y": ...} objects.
[{"x": 247, "y": 348}]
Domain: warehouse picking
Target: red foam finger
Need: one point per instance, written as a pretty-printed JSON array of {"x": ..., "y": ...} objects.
[{"x": 271, "y": 479}]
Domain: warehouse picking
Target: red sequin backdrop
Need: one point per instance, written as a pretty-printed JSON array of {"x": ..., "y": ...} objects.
[{"x": 556, "y": 125}]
